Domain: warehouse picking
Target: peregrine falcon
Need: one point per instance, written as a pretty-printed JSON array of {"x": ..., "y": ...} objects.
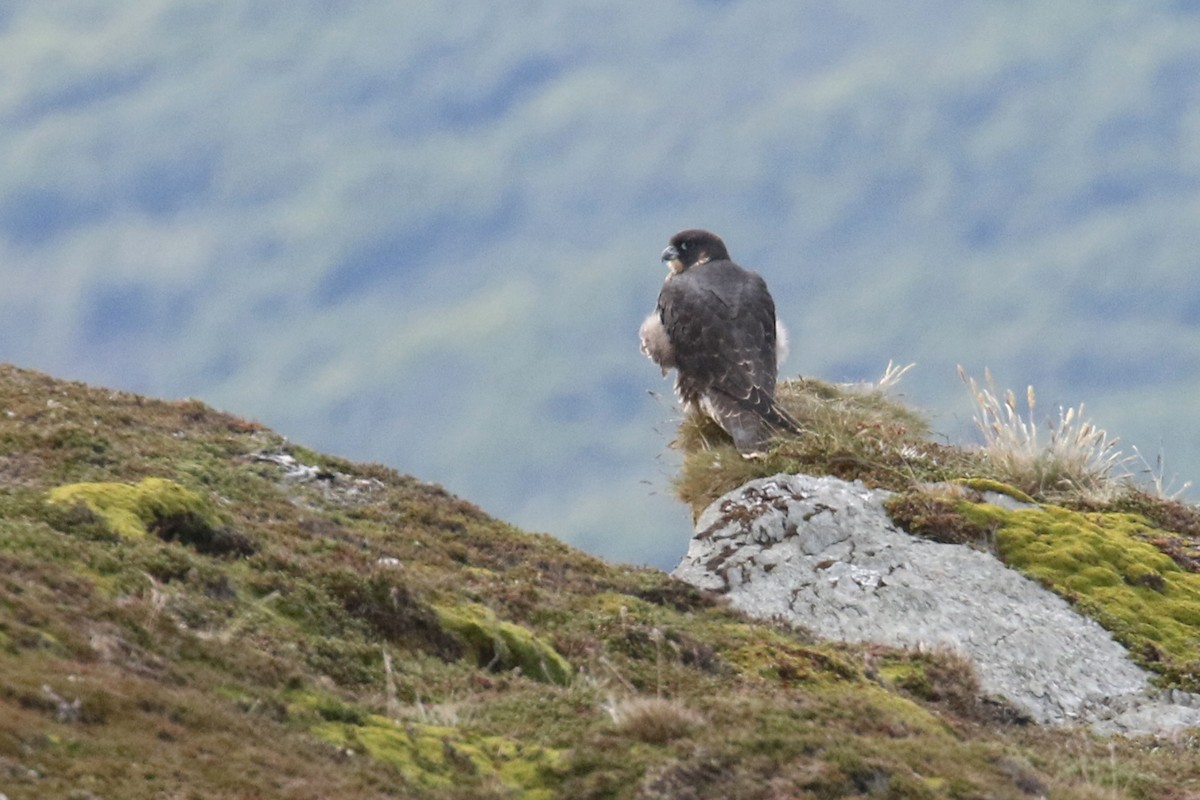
[{"x": 715, "y": 326}]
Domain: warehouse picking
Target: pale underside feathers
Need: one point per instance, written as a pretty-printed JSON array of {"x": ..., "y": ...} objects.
[{"x": 715, "y": 325}]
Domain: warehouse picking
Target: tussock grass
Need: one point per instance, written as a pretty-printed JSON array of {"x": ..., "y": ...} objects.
[
  {"x": 654, "y": 720},
  {"x": 853, "y": 431},
  {"x": 860, "y": 431},
  {"x": 1156, "y": 476},
  {"x": 1065, "y": 456}
]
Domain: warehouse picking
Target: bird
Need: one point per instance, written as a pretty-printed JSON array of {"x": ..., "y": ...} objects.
[{"x": 715, "y": 325}]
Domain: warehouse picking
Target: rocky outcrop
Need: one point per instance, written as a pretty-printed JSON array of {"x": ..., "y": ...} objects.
[{"x": 823, "y": 553}]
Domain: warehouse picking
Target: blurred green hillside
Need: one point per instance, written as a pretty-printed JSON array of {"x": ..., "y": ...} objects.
[{"x": 425, "y": 235}]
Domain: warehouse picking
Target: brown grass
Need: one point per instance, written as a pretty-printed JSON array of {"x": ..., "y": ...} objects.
[
  {"x": 853, "y": 432},
  {"x": 654, "y": 720}
]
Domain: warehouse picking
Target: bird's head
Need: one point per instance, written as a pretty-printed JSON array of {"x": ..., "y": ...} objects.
[{"x": 691, "y": 247}]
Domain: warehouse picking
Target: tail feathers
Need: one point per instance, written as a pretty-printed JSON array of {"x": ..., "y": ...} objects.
[
  {"x": 752, "y": 423},
  {"x": 780, "y": 420}
]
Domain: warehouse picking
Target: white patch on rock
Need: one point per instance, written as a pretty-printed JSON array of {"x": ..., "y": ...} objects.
[{"x": 823, "y": 553}]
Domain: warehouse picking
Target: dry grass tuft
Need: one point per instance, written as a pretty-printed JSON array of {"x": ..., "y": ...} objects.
[
  {"x": 1071, "y": 456},
  {"x": 654, "y": 720},
  {"x": 1164, "y": 488}
]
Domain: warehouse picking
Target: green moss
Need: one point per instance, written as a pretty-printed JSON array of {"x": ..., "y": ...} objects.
[
  {"x": 155, "y": 505},
  {"x": 129, "y": 509},
  {"x": 772, "y": 655},
  {"x": 989, "y": 485},
  {"x": 434, "y": 757},
  {"x": 909, "y": 674},
  {"x": 939, "y": 676},
  {"x": 936, "y": 515},
  {"x": 1100, "y": 561},
  {"x": 502, "y": 646}
]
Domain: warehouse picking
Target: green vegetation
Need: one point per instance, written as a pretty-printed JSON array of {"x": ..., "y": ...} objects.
[
  {"x": 1115, "y": 566},
  {"x": 179, "y": 618},
  {"x": 850, "y": 432},
  {"x": 860, "y": 432},
  {"x": 503, "y": 645},
  {"x": 1100, "y": 561},
  {"x": 1124, "y": 556},
  {"x": 157, "y": 506},
  {"x": 129, "y": 509}
]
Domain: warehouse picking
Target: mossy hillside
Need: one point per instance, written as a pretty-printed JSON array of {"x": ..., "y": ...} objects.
[
  {"x": 148, "y": 666},
  {"x": 431, "y": 756},
  {"x": 130, "y": 509},
  {"x": 155, "y": 506},
  {"x": 442, "y": 757},
  {"x": 502, "y": 645}
]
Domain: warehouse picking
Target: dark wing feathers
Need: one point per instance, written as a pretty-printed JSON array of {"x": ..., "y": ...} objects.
[{"x": 720, "y": 320}]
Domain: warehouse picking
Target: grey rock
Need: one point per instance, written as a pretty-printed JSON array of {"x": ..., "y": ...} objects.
[{"x": 823, "y": 553}]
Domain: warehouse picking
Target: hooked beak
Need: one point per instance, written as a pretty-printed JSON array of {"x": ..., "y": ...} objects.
[{"x": 672, "y": 259}]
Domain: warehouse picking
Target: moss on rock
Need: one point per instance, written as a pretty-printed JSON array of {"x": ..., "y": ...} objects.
[
  {"x": 1101, "y": 562},
  {"x": 500, "y": 645},
  {"x": 129, "y": 509},
  {"x": 158, "y": 506}
]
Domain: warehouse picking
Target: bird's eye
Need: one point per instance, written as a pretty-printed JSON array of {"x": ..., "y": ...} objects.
[{"x": 683, "y": 247}]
